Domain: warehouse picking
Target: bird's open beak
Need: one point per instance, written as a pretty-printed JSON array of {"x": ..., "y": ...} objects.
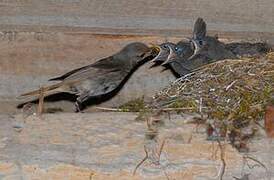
[
  {"x": 197, "y": 49},
  {"x": 162, "y": 54},
  {"x": 153, "y": 51},
  {"x": 156, "y": 48},
  {"x": 171, "y": 57}
]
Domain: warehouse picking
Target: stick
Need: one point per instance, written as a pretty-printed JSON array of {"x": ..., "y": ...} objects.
[
  {"x": 41, "y": 101},
  {"x": 165, "y": 109},
  {"x": 140, "y": 163},
  {"x": 177, "y": 109},
  {"x": 161, "y": 148},
  {"x": 109, "y": 109},
  {"x": 257, "y": 161},
  {"x": 230, "y": 85},
  {"x": 222, "y": 169}
]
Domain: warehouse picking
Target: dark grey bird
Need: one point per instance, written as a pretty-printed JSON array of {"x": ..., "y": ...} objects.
[
  {"x": 201, "y": 50},
  {"x": 218, "y": 50},
  {"x": 208, "y": 47},
  {"x": 182, "y": 49},
  {"x": 177, "y": 57},
  {"x": 247, "y": 49},
  {"x": 163, "y": 52},
  {"x": 99, "y": 78}
]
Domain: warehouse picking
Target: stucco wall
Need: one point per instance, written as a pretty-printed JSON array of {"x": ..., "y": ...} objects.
[{"x": 44, "y": 38}]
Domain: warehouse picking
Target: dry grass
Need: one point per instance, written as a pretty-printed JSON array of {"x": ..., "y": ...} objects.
[{"x": 136, "y": 105}]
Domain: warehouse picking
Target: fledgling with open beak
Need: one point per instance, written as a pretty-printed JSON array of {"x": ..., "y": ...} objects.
[
  {"x": 201, "y": 50},
  {"x": 179, "y": 52},
  {"x": 178, "y": 59},
  {"x": 207, "y": 47},
  {"x": 99, "y": 78},
  {"x": 182, "y": 51},
  {"x": 163, "y": 52}
]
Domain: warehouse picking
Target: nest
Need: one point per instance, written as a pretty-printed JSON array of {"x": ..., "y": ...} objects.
[{"x": 231, "y": 92}]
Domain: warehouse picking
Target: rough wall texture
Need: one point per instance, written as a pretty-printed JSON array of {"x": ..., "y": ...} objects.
[
  {"x": 142, "y": 16},
  {"x": 110, "y": 145},
  {"x": 45, "y": 38}
]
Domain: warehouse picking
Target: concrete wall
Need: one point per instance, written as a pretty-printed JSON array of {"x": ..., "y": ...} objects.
[
  {"x": 175, "y": 17},
  {"x": 109, "y": 146},
  {"x": 44, "y": 38}
]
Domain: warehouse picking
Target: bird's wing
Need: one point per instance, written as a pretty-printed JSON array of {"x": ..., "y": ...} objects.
[
  {"x": 106, "y": 63},
  {"x": 248, "y": 49},
  {"x": 217, "y": 50},
  {"x": 179, "y": 69},
  {"x": 199, "y": 30},
  {"x": 64, "y": 76},
  {"x": 95, "y": 82},
  {"x": 196, "y": 61},
  {"x": 109, "y": 82}
]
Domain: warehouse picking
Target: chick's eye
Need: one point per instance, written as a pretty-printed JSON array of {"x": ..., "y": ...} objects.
[
  {"x": 177, "y": 49},
  {"x": 165, "y": 46}
]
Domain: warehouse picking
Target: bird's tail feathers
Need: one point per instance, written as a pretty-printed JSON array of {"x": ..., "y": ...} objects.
[{"x": 46, "y": 91}]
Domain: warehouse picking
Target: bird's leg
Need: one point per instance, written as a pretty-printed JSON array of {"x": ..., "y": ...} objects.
[
  {"x": 41, "y": 101},
  {"x": 79, "y": 100},
  {"x": 78, "y": 106}
]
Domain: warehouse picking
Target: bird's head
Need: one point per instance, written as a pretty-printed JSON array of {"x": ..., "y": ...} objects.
[
  {"x": 199, "y": 47},
  {"x": 164, "y": 51},
  {"x": 173, "y": 54},
  {"x": 138, "y": 52},
  {"x": 179, "y": 52},
  {"x": 199, "y": 40}
]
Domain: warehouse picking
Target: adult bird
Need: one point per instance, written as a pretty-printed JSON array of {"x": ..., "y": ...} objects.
[
  {"x": 206, "y": 49},
  {"x": 99, "y": 78}
]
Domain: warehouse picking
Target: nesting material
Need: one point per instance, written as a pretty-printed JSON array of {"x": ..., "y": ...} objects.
[{"x": 233, "y": 92}]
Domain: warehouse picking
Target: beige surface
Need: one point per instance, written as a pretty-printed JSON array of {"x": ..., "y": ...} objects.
[
  {"x": 40, "y": 39},
  {"x": 110, "y": 145},
  {"x": 138, "y": 17}
]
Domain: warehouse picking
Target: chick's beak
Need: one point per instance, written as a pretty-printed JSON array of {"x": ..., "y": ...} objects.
[
  {"x": 171, "y": 57},
  {"x": 197, "y": 49},
  {"x": 162, "y": 54}
]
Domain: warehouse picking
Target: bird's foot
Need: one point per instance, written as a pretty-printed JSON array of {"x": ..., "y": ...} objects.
[{"x": 78, "y": 107}]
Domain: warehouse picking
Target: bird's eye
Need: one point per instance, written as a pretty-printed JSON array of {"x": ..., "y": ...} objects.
[
  {"x": 165, "y": 46},
  {"x": 201, "y": 42},
  {"x": 178, "y": 49}
]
